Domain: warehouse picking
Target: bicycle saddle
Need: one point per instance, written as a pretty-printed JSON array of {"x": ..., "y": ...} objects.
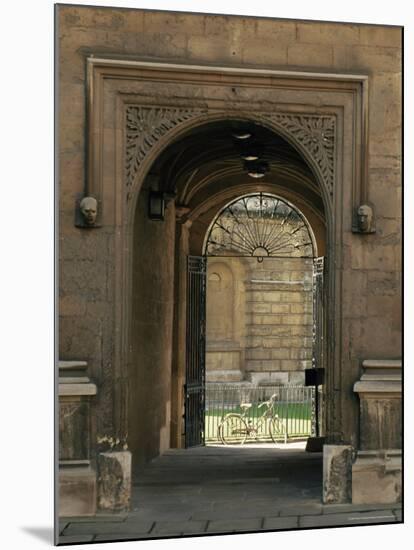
[{"x": 245, "y": 405}]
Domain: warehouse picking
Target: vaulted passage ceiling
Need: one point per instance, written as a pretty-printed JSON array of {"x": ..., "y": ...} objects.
[{"x": 208, "y": 162}]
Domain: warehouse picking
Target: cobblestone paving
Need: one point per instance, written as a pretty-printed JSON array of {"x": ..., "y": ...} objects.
[{"x": 218, "y": 489}]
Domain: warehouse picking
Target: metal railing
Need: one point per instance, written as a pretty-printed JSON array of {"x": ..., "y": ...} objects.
[{"x": 293, "y": 406}]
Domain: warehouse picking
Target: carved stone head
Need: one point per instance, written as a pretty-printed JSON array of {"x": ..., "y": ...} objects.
[
  {"x": 89, "y": 209},
  {"x": 365, "y": 218}
]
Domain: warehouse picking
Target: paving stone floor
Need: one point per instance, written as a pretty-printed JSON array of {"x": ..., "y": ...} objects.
[{"x": 218, "y": 489}]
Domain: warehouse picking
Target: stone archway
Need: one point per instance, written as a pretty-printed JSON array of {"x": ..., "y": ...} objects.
[
  {"x": 326, "y": 136},
  {"x": 188, "y": 230}
]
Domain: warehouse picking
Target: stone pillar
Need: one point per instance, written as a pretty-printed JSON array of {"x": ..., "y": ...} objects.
[
  {"x": 180, "y": 330},
  {"x": 77, "y": 478},
  {"x": 376, "y": 473}
]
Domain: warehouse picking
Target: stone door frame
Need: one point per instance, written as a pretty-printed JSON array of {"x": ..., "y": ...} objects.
[{"x": 135, "y": 109}]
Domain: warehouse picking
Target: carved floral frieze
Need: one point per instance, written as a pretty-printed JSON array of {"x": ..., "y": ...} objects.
[
  {"x": 146, "y": 125},
  {"x": 316, "y": 134}
]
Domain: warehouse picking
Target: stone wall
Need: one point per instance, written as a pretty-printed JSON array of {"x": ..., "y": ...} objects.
[
  {"x": 225, "y": 319},
  {"x": 259, "y": 319},
  {"x": 371, "y": 264},
  {"x": 149, "y": 384},
  {"x": 279, "y": 320}
]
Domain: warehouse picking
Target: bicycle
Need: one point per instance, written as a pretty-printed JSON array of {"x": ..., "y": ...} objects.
[{"x": 234, "y": 428}]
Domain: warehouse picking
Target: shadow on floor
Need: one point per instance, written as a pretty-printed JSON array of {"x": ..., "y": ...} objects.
[{"x": 217, "y": 476}]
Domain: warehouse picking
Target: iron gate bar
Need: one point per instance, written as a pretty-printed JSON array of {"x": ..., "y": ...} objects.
[
  {"x": 318, "y": 337},
  {"x": 194, "y": 388},
  {"x": 258, "y": 225}
]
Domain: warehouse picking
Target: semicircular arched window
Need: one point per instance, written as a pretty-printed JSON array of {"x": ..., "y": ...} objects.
[{"x": 259, "y": 225}]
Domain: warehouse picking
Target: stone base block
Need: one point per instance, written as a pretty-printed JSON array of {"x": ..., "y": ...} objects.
[
  {"x": 376, "y": 479},
  {"x": 77, "y": 491},
  {"x": 114, "y": 481},
  {"x": 315, "y": 444},
  {"x": 337, "y": 472}
]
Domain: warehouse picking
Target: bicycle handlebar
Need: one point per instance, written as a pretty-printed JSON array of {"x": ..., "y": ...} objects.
[{"x": 271, "y": 400}]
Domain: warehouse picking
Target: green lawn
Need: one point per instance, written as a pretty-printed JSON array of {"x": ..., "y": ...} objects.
[{"x": 296, "y": 417}]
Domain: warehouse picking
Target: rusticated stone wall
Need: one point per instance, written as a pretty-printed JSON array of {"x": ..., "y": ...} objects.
[
  {"x": 279, "y": 320},
  {"x": 259, "y": 320}
]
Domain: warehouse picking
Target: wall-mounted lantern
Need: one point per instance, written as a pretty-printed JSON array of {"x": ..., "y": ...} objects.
[{"x": 156, "y": 205}]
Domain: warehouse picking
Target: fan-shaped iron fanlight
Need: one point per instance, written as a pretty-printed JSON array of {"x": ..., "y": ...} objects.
[{"x": 259, "y": 225}]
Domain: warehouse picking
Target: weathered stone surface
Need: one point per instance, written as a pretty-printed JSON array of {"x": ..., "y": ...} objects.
[
  {"x": 380, "y": 35},
  {"x": 351, "y": 507},
  {"x": 299, "y": 55},
  {"x": 114, "y": 481},
  {"x": 74, "y": 434},
  {"x": 376, "y": 477},
  {"x": 179, "y": 527},
  {"x": 381, "y": 423},
  {"x": 351, "y": 518},
  {"x": 379, "y": 391},
  {"x": 70, "y": 539},
  {"x": 233, "y": 525},
  {"x": 77, "y": 491},
  {"x": 337, "y": 465},
  {"x": 109, "y": 528},
  {"x": 327, "y": 33},
  {"x": 280, "y": 523}
]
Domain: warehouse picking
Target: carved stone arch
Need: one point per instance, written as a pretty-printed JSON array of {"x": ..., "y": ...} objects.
[
  {"x": 150, "y": 130},
  {"x": 274, "y": 99}
]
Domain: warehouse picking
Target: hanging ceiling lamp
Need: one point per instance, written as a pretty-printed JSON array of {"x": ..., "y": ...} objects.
[
  {"x": 251, "y": 151},
  {"x": 256, "y": 169},
  {"x": 242, "y": 134}
]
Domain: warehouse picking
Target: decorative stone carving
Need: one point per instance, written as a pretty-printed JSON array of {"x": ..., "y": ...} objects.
[
  {"x": 145, "y": 126},
  {"x": 86, "y": 212},
  {"x": 316, "y": 133},
  {"x": 114, "y": 481},
  {"x": 365, "y": 217},
  {"x": 89, "y": 209},
  {"x": 337, "y": 468}
]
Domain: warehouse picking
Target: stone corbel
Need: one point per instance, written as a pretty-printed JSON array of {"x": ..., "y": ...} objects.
[{"x": 181, "y": 212}]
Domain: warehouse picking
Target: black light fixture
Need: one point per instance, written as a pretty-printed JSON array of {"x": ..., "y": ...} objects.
[
  {"x": 242, "y": 134},
  {"x": 256, "y": 169},
  {"x": 241, "y": 131},
  {"x": 156, "y": 205},
  {"x": 251, "y": 155},
  {"x": 250, "y": 151}
]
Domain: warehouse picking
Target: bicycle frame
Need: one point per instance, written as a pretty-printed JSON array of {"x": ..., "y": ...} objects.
[{"x": 268, "y": 413}]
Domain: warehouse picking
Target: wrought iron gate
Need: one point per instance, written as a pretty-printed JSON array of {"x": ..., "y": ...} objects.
[
  {"x": 195, "y": 353},
  {"x": 318, "y": 339}
]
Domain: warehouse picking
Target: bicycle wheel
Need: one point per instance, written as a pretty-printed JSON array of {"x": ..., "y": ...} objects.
[
  {"x": 233, "y": 430},
  {"x": 277, "y": 430}
]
